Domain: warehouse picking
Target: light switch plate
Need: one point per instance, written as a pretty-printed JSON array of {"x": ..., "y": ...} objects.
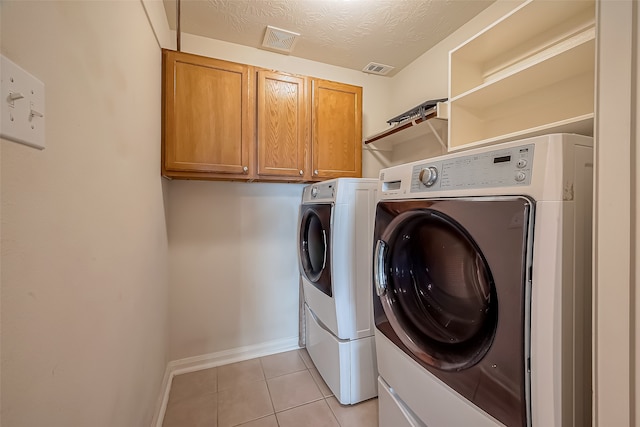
[{"x": 22, "y": 100}]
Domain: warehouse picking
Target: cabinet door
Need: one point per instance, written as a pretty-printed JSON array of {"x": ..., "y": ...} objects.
[
  {"x": 282, "y": 125},
  {"x": 336, "y": 130},
  {"x": 208, "y": 120}
]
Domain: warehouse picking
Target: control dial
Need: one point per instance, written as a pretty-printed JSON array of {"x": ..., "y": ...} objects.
[
  {"x": 428, "y": 176},
  {"x": 314, "y": 191}
]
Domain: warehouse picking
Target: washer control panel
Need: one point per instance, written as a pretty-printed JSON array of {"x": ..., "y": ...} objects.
[
  {"x": 321, "y": 191},
  {"x": 499, "y": 168}
]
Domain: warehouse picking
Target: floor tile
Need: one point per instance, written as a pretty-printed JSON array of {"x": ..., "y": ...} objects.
[
  {"x": 185, "y": 386},
  {"x": 316, "y": 414},
  {"x": 197, "y": 411},
  {"x": 243, "y": 403},
  {"x": 362, "y": 414},
  {"x": 282, "y": 363},
  {"x": 306, "y": 358},
  {"x": 324, "y": 388},
  {"x": 269, "y": 421},
  {"x": 239, "y": 373},
  {"x": 292, "y": 390},
  {"x": 293, "y": 395}
]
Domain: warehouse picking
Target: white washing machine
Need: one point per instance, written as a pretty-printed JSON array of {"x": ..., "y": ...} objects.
[
  {"x": 335, "y": 238},
  {"x": 482, "y": 287}
]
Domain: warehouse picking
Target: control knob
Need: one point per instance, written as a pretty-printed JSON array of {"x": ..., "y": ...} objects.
[
  {"x": 428, "y": 176},
  {"x": 314, "y": 191}
]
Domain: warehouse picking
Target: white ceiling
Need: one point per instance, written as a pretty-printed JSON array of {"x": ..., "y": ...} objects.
[{"x": 346, "y": 33}]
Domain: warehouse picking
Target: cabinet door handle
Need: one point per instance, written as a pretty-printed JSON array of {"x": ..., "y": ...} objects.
[
  {"x": 301, "y": 172},
  {"x": 245, "y": 169},
  {"x": 315, "y": 172}
]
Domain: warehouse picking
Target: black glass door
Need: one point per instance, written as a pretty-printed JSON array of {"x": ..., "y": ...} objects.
[
  {"x": 314, "y": 245},
  {"x": 440, "y": 292},
  {"x": 451, "y": 286}
]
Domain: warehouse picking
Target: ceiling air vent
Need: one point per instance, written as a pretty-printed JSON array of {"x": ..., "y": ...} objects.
[
  {"x": 279, "y": 40},
  {"x": 375, "y": 68}
]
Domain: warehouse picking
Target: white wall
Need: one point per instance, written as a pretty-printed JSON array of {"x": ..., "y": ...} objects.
[
  {"x": 84, "y": 243},
  {"x": 233, "y": 263}
]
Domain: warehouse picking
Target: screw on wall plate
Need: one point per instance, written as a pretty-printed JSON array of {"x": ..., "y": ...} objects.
[{"x": 11, "y": 79}]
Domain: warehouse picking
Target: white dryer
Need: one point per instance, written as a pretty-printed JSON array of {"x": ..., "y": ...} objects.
[
  {"x": 482, "y": 281},
  {"x": 335, "y": 238}
]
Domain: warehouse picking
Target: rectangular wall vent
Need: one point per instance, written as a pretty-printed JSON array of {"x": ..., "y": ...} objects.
[
  {"x": 279, "y": 40},
  {"x": 375, "y": 68}
]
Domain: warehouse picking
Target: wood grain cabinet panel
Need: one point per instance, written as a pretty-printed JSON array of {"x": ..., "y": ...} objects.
[
  {"x": 208, "y": 125},
  {"x": 229, "y": 121},
  {"x": 336, "y": 130},
  {"x": 283, "y": 131}
]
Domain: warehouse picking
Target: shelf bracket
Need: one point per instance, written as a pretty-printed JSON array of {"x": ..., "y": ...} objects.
[
  {"x": 370, "y": 148},
  {"x": 437, "y": 135}
]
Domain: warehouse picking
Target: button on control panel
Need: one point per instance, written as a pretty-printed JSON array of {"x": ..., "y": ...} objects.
[{"x": 499, "y": 168}]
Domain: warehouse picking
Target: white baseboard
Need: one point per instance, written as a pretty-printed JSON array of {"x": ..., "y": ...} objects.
[
  {"x": 161, "y": 406},
  {"x": 211, "y": 360}
]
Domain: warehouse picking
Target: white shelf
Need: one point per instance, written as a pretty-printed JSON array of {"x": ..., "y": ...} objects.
[
  {"x": 532, "y": 70},
  {"x": 434, "y": 123},
  {"x": 582, "y": 125}
]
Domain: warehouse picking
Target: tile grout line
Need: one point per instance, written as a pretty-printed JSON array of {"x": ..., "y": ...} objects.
[
  {"x": 308, "y": 369},
  {"x": 332, "y": 412},
  {"x": 264, "y": 375}
]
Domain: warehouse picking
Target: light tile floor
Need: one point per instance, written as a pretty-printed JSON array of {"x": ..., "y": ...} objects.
[{"x": 282, "y": 390}]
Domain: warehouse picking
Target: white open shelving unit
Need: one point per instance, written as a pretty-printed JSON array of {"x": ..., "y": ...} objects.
[{"x": 532, "y": 72}]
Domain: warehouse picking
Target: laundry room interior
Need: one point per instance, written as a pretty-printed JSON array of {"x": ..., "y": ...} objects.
[{"x": 143, "y": 286}]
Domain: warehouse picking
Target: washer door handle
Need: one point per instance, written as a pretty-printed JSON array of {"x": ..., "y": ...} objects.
[
  {"x": 379, "y": 274},
  {"x": 324, "y": 239}
]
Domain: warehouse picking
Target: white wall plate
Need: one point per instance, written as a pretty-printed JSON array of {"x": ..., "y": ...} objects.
[{"x": 22, "y": 102}]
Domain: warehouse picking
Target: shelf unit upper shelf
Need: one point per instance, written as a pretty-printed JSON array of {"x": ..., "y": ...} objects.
[
  {"x": 433, "y": 122},
  {"x": 531, "y": 72}
]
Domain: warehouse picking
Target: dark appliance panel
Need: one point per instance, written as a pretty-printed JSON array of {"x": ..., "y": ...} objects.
[
  {"x": 315, "y": 245},
  {"x": 451, "y": 289}
]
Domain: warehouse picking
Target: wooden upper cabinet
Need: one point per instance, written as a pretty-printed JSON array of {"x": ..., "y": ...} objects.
[
  {"x": 208, "y": 118},
  {"x": 227, "y": 121},
  {"x": 336, "y": 130},
  {"x": 283, "y": 131}
]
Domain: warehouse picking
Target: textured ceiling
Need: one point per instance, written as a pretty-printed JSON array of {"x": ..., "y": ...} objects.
[{"x": 347, "y": 33}]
